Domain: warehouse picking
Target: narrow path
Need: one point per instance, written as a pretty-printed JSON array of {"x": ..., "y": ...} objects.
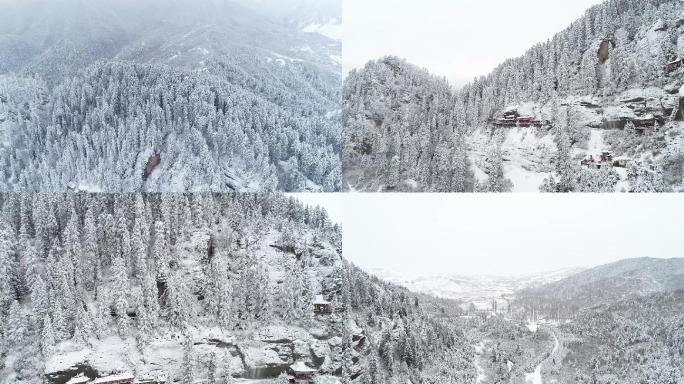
[
  {"x": 596, "y": 144},
  {"x": 479, "y": 349},
  {"x": 536, "y": 376}
]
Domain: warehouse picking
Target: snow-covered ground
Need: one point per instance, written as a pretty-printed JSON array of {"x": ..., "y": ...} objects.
[
  {"x": 479, "y": 350},
  {"x": 534, "y": 377},
  {"x": 527, "y": 157}
]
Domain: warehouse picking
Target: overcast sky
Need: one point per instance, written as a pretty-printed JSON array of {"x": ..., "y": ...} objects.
[
  {"x": 428, "y": 234},
  {"x": 459, "y": 39}
]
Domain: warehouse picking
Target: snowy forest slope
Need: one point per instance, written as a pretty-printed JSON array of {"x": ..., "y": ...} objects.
[
  {"x": 399, "y": 336},
  {"x": 620, "y": 322},
  {"x": 401, "y": 131},
  {"x": 587, "y": 90},
  {"x": 191, "y": 287},
  {"x": 608, "y": 283},
  {"x": 290, "y": 75}
]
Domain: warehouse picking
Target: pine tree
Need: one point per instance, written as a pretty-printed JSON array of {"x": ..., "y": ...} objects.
[
  {"x": 120, "y": 294},
  {"x": 211, "y": 369},
  {"x": 161, "y": 250},
  {"x": 16, "y": 327},
  {"x": 188, "y": 363},
  {"x": 90, "y": 259},
  {"x": 8, "y": 269},
  {"x": 39, "y": 298},
  {"x": 496, "y": 181},
  {"x": 47, "y": 337}
]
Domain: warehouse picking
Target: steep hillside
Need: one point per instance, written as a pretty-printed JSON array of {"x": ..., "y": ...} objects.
[
  {"x": 596, "y": 108},
  {"x": 400, "y": 132},
  {"x": 195, "y": 288},
  {"x": 399, "y": 336},
  {"x": 286, "y": 78},
  {"x": 639, "y": 339}
]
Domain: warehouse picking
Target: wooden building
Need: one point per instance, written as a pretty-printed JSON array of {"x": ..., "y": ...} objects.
[
  {"x": 645, "y": 124},
  {"x": 301, "y": 373},
  {"x": 322, "y": 306},
  {"x": 514, "y": 119},
  {"x": 606, "y": 157},
  {"x": 621, "y": 162},
  {"x": 589, "y": 161}
]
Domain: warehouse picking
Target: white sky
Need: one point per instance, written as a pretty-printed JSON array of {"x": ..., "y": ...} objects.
[
  {"x": 459, "y": 39},
  {"x": 512, "y": 234}
]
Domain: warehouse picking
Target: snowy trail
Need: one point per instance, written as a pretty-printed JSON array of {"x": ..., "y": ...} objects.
[
  {"x": 536, "y": 376},
  {"x": 479, "y": 349},
  {"x": 596, "y": 144}
]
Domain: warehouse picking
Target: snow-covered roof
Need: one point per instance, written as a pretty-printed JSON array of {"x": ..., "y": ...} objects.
[
  {"x": 107, "y": 379},
  {"x": 80, "y": 379},
  {"x": 319, "y": 300},
  {"x": 299, "y": 366}
]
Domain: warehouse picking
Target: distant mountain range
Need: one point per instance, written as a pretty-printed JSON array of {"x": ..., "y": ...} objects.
[
  {"x": 473, "y": 288},
  {"x": 582, "y": 287},
  {"x": 43, "y": 36},
  {"x": 615, "y": 281}
]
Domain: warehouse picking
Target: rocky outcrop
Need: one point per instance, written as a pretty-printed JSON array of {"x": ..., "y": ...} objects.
[{"x": 152, "y": 164}]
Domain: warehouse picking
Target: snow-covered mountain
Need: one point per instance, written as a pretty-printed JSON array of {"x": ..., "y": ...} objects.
[
  {"x": 313, "y": 16},
  {"x": 241, "y": 51},
  {"x": 596, "y": 108},
  {"x": 611, "y": 282}
]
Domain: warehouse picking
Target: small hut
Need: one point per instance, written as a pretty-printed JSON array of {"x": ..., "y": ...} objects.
[
  {"x": 589, "y": 161},
  {"x": 301, "y": 373},
  {"x": 647, "y": 123},
  {"x": 606, "y": 157},
  {"x": 621, "y": 162},
  {"x": 322, "y": 306},
  {"x": 509, "y": 119}
]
